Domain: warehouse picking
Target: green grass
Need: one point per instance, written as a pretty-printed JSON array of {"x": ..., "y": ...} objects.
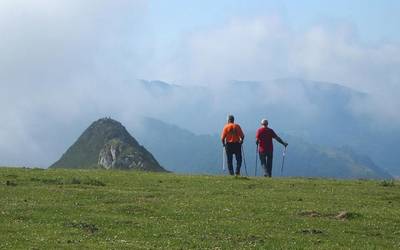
[{"x": 97, "y": 209}]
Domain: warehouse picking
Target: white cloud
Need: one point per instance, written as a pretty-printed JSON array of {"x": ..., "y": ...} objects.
[
  {"x": 265, "y": 48},
  {"x": 242, "y": 49},
  {"x": 56, "y": 60},
  {"x": 54, "y": 41},
  {"x": 66, "y": 63}
]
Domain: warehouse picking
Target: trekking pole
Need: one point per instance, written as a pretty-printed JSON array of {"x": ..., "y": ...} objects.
[
  {"x": 244, "y": 161},
  {"x": 283, "y": 160},
  {"x": 255, "y": 172},
  {"x": 223, "y": 160}
]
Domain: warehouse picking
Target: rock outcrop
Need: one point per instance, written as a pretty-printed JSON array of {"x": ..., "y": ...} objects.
[{"x": 118, "y": 154}]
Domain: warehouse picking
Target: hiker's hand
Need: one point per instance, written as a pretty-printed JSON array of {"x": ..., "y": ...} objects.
[
  {"x": 285, "y": 144},
  {"x": 257, "y": 142}
]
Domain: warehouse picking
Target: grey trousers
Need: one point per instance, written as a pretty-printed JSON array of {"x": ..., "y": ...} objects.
[{"x": 266, "y": 163}]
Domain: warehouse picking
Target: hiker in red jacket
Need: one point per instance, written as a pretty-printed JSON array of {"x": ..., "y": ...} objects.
[{"x": 265, "y": 146}]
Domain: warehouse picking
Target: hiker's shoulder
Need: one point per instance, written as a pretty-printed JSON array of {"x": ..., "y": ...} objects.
[
  {"x": 237, "y": 126},
  {"x": 262, "y": 130},
  {"x": 227, "y": 126}
]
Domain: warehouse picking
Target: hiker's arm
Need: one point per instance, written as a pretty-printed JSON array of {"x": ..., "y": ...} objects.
[
  {"x": 281, "y": 141},
  {"x": 257, "y": 138},
  {"x": 223, "y": 141},
  {"x": 241, "y": 134},
  {"x": 223, "y": 136}
]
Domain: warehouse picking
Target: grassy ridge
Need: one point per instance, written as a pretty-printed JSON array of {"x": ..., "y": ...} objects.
[{"x": 71, "y": 209}]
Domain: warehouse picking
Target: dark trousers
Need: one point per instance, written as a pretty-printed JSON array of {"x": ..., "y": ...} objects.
[
  {"x": 266, "y": 163},
  {"x": 234, "y": 149}
]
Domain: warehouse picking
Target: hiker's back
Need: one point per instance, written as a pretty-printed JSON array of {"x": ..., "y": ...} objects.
[
  {"x": 232, "y": 133},
  {"x": 264, "y": 136}
]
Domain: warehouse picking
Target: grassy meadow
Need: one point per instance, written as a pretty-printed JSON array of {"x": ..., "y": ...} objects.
[{"x": 98, "y": 209}]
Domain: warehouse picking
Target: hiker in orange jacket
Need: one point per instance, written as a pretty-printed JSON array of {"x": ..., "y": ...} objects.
[{"x": 232, "y": 138}]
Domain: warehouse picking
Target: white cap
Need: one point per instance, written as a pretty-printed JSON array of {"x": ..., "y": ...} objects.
[{"x": 264, "y": 122}]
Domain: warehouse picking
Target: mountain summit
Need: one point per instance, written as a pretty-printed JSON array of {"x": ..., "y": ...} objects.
[{"x": 107, "y": 144}]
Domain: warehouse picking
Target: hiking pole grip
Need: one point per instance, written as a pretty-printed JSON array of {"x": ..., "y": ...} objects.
[{"x": 283, "y": 159}]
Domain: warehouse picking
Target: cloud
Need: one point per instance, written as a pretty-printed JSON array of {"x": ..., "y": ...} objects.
[
  {"x": 59, "y": 41},
  {"x": 265, "y": 48},
  {"x": 57, "y": 60},
  {"x": 339, "y": 56},
  {"x": 65, "y": 63},
  {"x": 240, "y": 50}
]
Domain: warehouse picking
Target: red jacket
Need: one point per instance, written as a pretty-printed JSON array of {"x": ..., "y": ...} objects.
[{"x": 264, "y": 137}]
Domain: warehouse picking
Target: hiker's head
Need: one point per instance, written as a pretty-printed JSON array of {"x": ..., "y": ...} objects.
[
  {"x": 264, "y": 122},
  {"x": 231, "y": 119}
]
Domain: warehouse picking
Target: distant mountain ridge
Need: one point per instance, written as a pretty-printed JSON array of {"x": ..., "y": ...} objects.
[
  {"x": 326, "y": 114},
  {"x": 185, "y": 152},
  {"x": 107, "y": 144}
]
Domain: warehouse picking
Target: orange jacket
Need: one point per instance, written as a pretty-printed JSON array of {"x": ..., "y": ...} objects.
[{"x": 232, "y": 133}]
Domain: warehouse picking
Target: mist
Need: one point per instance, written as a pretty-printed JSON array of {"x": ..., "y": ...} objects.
[{"x": 65, "y": 64}]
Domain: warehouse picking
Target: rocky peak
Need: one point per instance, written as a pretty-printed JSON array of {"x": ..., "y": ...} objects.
[{"x": 107, "y": 144}]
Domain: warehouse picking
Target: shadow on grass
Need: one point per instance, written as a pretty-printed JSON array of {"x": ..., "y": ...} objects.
[
  {"x": 11, "y": 183},
  {"x": 387, "y": 183},
  {"x": 86, "y": 227},
  {"x": 343, "y": 215}
]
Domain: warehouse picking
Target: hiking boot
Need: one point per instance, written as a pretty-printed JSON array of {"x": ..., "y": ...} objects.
[{"x": 237, "y": 174}]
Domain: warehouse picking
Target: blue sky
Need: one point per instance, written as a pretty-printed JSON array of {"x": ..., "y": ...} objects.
[{"x": 374, "y": 20}]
